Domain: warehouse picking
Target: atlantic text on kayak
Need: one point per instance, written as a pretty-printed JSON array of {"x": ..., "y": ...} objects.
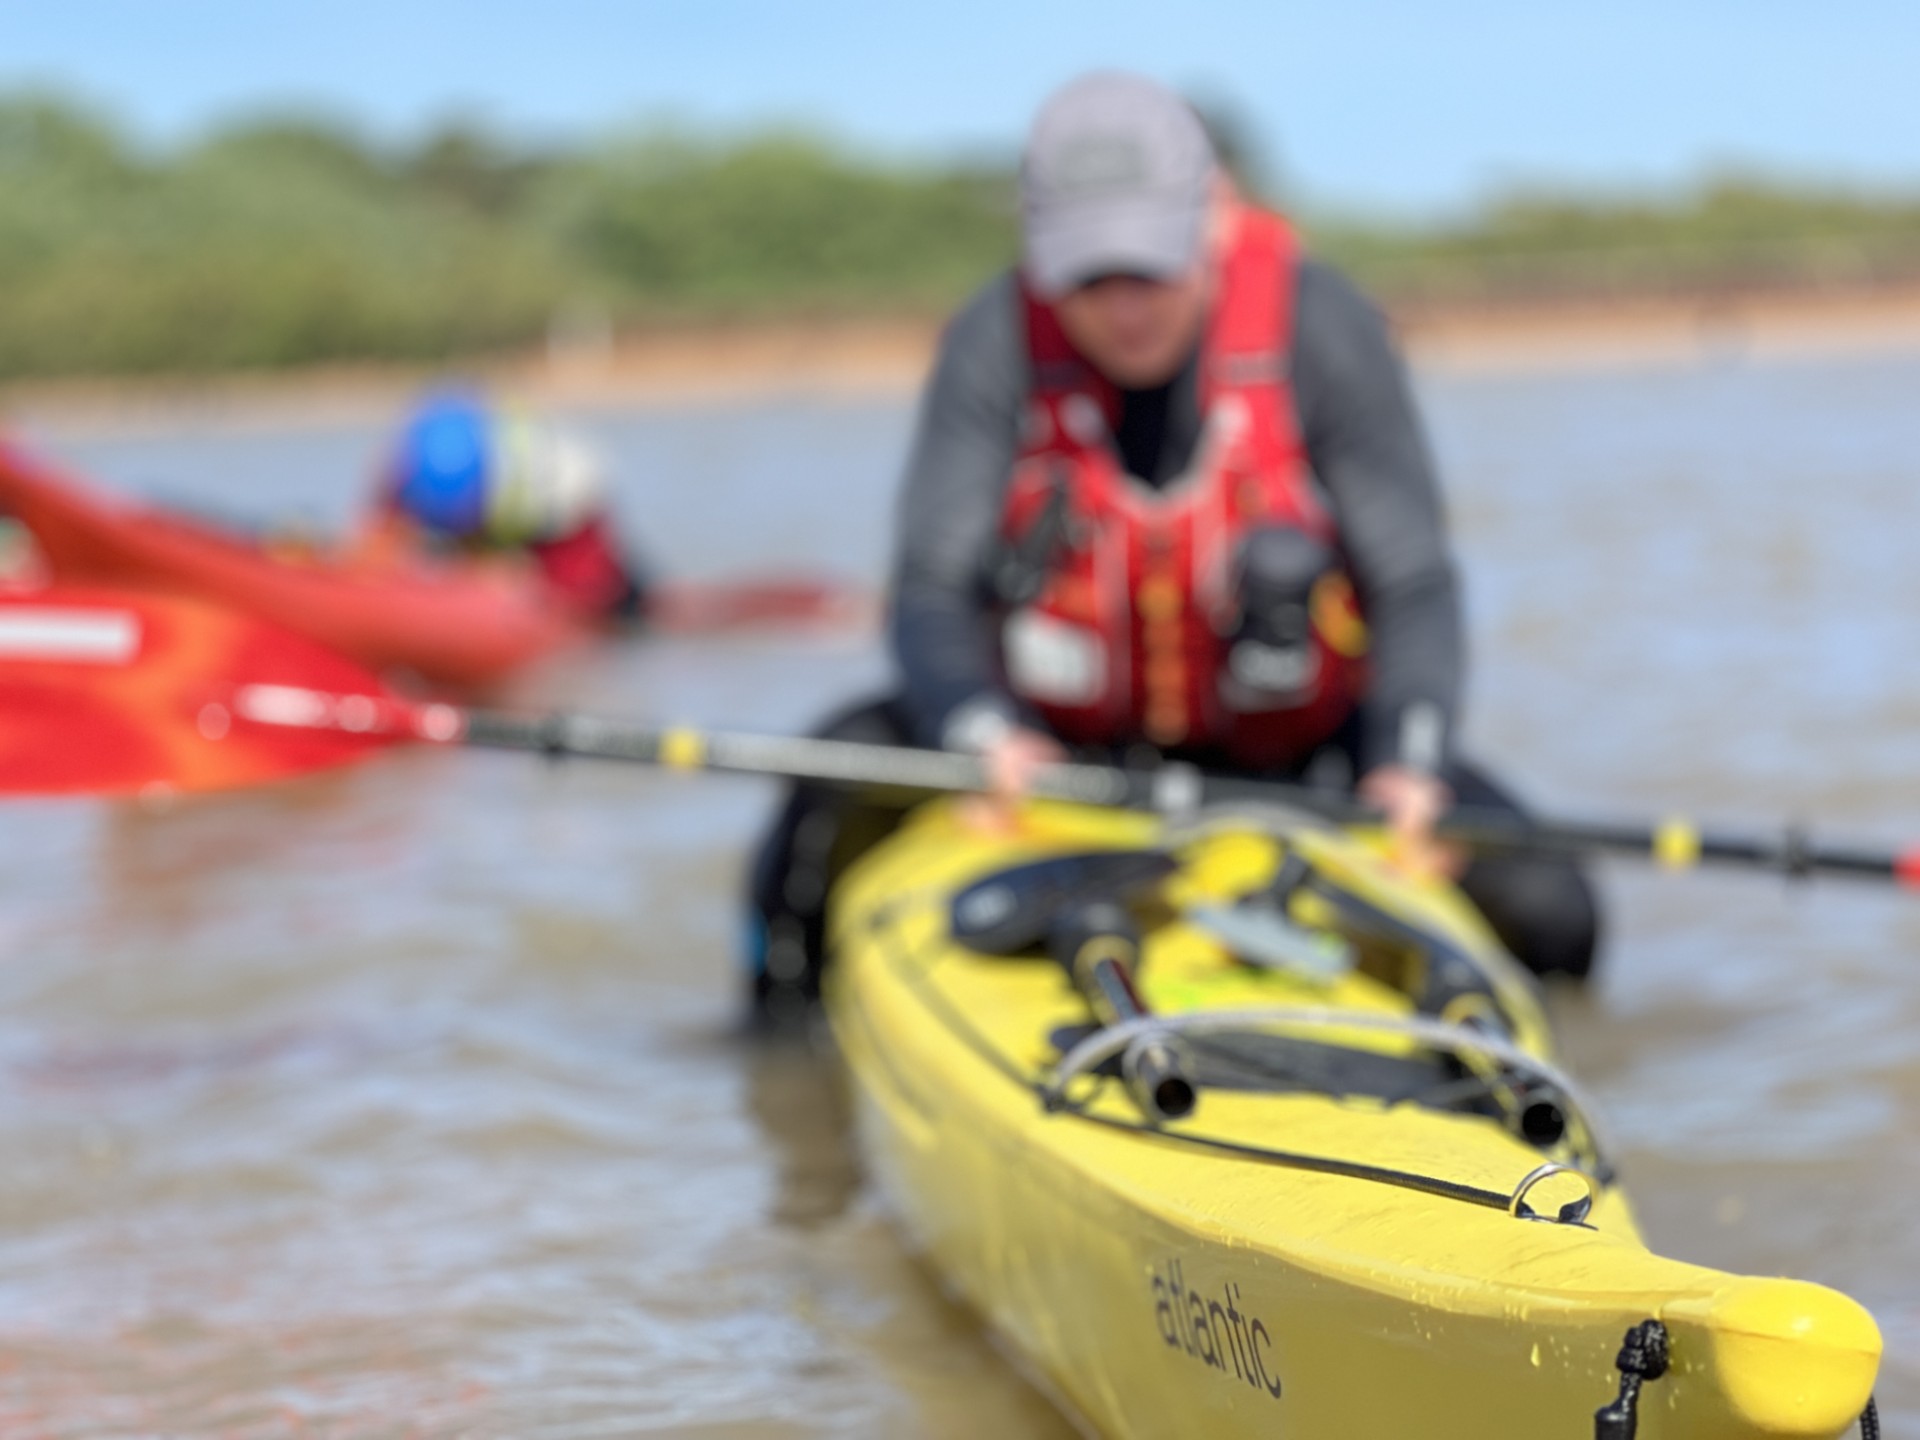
[{"x": 1217, "y": 1334}]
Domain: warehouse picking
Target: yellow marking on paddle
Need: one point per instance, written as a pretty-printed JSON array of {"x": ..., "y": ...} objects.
[
  {"x": 1676, "y": 845},
  {"x": 683, "y": 749}
]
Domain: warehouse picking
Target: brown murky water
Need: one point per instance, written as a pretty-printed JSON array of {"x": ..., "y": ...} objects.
[{"x": 400, "y": 1103}]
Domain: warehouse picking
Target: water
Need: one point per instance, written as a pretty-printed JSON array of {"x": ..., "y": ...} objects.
[{"x": 400, "y": 1102}]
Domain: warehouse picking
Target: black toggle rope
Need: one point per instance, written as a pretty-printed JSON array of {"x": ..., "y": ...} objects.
[{"x": 1643, "y": 1357}]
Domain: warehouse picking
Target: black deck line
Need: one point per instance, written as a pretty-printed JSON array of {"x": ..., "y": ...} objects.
[{"x": 1287, "y": 1159}]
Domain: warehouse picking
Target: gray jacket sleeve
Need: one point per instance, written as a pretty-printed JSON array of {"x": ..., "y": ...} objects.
[
  {"x": 1365, "y": 443},
  {"x": 964, "y": 446}
]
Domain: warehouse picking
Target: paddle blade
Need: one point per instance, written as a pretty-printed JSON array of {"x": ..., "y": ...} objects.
[{"x": 112, "y": 693}]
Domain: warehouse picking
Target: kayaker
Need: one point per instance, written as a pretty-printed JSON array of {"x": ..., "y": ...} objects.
[
  {"x": 1168, "y": 492},
  {"x": 466, "y": 475}
]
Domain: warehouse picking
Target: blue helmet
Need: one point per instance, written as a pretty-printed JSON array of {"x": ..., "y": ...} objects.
[{"x": 442, "y": 462}]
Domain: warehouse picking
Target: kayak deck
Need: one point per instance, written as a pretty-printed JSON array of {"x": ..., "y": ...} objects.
[{"x": 1202, "y": 1275}]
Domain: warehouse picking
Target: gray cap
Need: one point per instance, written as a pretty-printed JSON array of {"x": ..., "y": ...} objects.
[{"x": 1116, "y": 179}]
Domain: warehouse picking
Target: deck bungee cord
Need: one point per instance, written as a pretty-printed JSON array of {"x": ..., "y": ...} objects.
[
  {"x": 1114, "y": 1041},
  {"x": 1080, "y": 902},
  {"x": 1051, "y": 1094}
]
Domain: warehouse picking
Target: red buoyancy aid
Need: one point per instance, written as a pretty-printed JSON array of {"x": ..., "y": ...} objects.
[
  {"x": 585, "y": 569},
  {"x": 1127, "y": 636}
]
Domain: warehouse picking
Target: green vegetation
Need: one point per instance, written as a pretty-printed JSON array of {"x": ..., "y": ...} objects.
[
  {"x": 286, "y": 241},
  {"x": 1729, "y": 234},
  {"x": 271, "y": 245}
]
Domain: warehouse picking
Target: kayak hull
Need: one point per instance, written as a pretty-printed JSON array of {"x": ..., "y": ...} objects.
[
  {"x": 1162, "y": 1287},
  {"x": 461, "y": 625}
]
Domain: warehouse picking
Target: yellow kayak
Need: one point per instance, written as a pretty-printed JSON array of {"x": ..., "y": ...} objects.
[{"x": 1385, "y": 1213}]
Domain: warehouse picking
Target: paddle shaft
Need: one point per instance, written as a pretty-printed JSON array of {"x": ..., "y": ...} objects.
[{"x": 908, "y": 772}]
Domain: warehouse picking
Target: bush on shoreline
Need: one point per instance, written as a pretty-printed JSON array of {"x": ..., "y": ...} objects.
[
  {"x": 287, "y": 241},
  {"x": 1729, "y": 233}
]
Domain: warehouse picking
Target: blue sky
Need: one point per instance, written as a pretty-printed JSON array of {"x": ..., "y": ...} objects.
[{"x": 1382, "y": 105}]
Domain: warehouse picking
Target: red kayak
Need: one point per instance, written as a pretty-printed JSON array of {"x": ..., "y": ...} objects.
[
  {"x": 459, "y": 623},
  {"x": 105, "y": 692},
  {"x": 463, "y": 625}
]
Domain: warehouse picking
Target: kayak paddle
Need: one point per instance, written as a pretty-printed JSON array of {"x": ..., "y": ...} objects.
[{"x": 1674, "y": 843}]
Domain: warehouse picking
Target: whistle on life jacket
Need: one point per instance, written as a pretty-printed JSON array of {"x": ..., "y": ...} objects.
[{"x": 1273, "y": 653}]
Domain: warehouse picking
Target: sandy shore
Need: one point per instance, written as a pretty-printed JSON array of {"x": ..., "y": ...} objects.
[
  {"x": 1661, "y": 330},
  {"x": 889, "y": 357},
  {"x": 671, "y": 367}
]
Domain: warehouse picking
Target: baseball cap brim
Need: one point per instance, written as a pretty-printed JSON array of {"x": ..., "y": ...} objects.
[{"x": 1156, "y": 235}]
